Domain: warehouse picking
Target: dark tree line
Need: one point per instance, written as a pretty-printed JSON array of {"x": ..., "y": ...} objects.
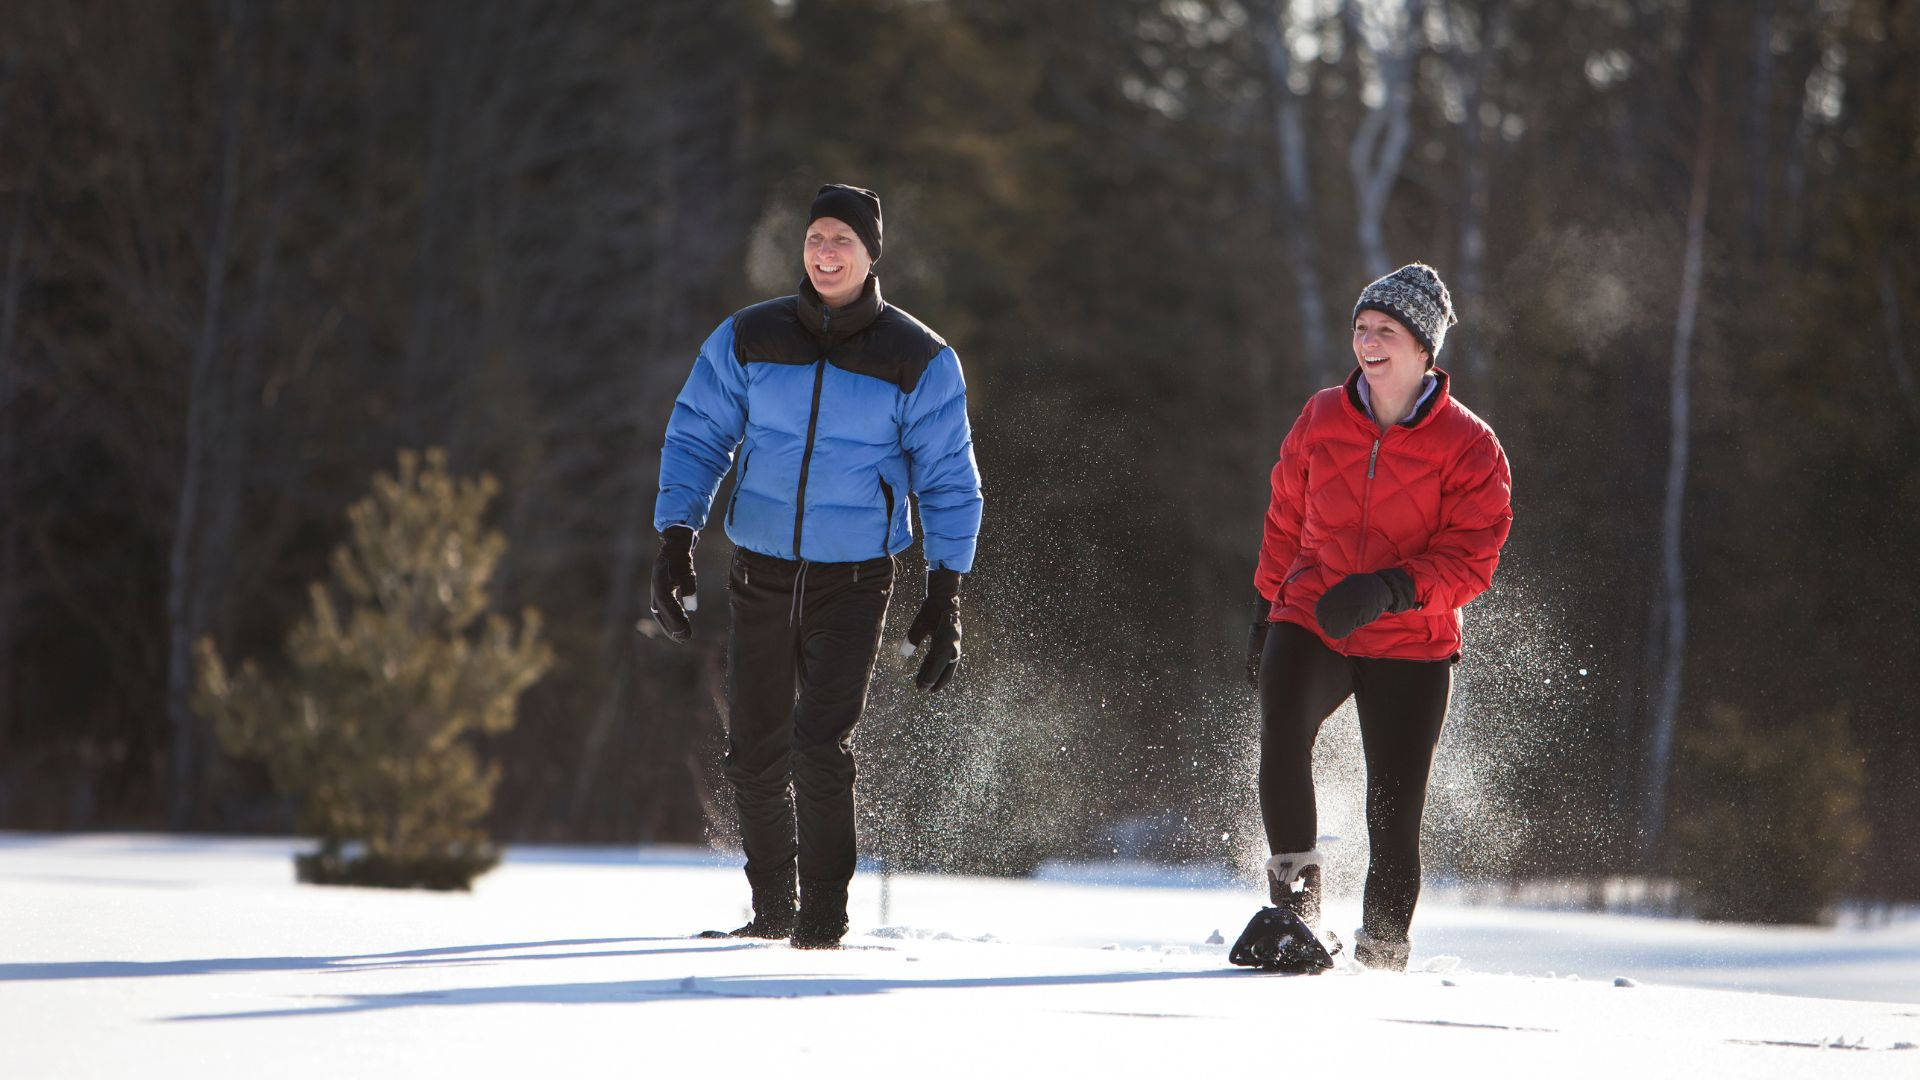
[{"x": 250, "y": 249}]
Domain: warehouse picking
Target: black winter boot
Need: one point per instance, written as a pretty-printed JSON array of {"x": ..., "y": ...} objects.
[
  {"x": 773, "y": 910},
  {"x": 773, "y": 929},
  {"x": 771, "y": 925},
  {"x": 823, "y": 916}
]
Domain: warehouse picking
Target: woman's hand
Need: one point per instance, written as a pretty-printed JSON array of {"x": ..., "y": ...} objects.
[{"x": 1358, "y": 599}]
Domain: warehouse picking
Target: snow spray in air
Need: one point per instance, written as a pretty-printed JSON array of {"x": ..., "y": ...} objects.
[{"x": 1034, "y": 751}]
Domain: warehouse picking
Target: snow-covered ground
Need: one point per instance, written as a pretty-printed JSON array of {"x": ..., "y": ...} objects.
[{"x": 169, "y": 956}]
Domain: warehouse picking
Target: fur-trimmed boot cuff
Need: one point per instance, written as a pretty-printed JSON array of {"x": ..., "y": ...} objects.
[
  {"x": 1293, "y": 882},
  {"x": 1384, "y": 954}
]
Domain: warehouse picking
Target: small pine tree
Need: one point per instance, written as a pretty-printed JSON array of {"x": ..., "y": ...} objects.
[
  {"x": 370, "y": 729},
  {"x": 1771, "y": 827}
]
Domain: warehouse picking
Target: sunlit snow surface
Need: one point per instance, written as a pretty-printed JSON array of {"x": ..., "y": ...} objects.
[{"x": 165, "y": 956}]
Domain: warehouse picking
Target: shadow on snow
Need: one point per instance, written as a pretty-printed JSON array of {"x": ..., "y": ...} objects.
[
  {"x": 769, "y": 986},
  {"x": 434, "y": 957}
]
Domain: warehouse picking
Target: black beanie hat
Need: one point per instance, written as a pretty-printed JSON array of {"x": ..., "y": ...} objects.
[
  {"x": 858, "y": 207},
  {"x": 1415, "y": 295}
]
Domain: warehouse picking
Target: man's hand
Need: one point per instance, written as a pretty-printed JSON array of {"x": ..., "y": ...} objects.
[
  {"x": 939, "y": 620},
  {"x": 674, "y": 582}
]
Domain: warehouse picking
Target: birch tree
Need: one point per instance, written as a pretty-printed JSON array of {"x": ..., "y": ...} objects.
[
  {"x": 1272, "y": 25},
  {"x": 1673, "y": 636},
  {"x": 1386, "y": 37},
  {"x": 186, "y": 613},
  {"x": 1474, "y": 36},
  {"x": 1817, "y": 78}
]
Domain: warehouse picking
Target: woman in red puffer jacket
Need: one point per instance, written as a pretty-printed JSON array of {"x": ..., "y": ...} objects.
[{"x": 1390, "y": 504}]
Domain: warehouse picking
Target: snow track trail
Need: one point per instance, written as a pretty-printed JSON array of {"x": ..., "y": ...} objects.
[{"x": 158, "y": 956}]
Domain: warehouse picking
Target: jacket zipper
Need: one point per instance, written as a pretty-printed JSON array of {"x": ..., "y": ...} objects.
[
  {"x": 1366, "y": 501},
  {"x": 738, "y": 483},
  {"x": 806, "y": 457},
  {"x": 813, "y": 425}
]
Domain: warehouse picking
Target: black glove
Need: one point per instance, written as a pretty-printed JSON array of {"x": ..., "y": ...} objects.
[
  {"x": 939, "y": 619},
  {"x": 1257, "y": 638},
  {"x": 674, "y": 584},
  {"x": 1358, "y": 599}
]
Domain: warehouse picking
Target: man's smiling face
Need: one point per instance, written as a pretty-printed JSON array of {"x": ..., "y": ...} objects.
[{"x": 837, "y": 262}]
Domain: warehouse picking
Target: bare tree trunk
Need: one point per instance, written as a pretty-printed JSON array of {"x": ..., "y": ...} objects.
[
  {"x": 449, "y": 33},
  {"x": 1801, "y": 147},
  {"x": 184, "y": 617},
  {"x": 1666, "y": 706},
  {"x": 1472, "y": 68},
  {"x": 1270, "y": 28},
  {"x": 234, "y": 452},
  {"x": 1895, "y": 344},
  {"x": 9, "y": 513},
  {"x": 636, "y": 517},
  {"x": 1759, "y": 127},
  {"x": 1380, "y": 141},
  {"x": 698, "y": 139}
]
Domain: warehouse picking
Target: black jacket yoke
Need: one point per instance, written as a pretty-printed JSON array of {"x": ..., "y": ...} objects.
[{"x": 867, "y": 337}]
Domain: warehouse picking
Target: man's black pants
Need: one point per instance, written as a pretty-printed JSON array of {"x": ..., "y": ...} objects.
[
  {"x": 1402, "y": 705},
  {"x": 800, "y": 658}
]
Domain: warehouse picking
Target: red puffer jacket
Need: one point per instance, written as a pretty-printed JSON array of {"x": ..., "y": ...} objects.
[{"x": 1433, "y": 497}]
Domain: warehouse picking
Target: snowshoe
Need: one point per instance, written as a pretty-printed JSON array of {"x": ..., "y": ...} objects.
[{"x": 1276, "y": 939}]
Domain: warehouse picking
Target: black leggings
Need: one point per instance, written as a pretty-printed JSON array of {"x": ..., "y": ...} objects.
[{"x": 1402, "y": 704}]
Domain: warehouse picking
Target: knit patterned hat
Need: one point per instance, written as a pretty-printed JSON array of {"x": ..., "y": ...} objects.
[
  {"x": 1415, "y": 295},
  {"x": 858, "y": 207}
]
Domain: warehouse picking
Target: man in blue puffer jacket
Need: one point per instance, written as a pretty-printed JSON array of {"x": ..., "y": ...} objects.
[{"x": 839, "y": 405}]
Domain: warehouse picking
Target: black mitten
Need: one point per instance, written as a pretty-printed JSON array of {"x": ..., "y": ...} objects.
[{"x": 1358, "y": 599}]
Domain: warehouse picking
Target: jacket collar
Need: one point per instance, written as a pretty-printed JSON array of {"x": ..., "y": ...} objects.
[
  {"x": 1422, "y": 412},
  {"x": 831, "y": 324}
]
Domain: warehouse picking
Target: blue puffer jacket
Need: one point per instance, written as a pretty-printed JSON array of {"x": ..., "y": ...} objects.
[{"x": 837, "y": 415}]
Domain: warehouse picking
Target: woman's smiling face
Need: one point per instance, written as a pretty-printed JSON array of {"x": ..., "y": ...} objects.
[{"x": 1390, "y": 356}]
